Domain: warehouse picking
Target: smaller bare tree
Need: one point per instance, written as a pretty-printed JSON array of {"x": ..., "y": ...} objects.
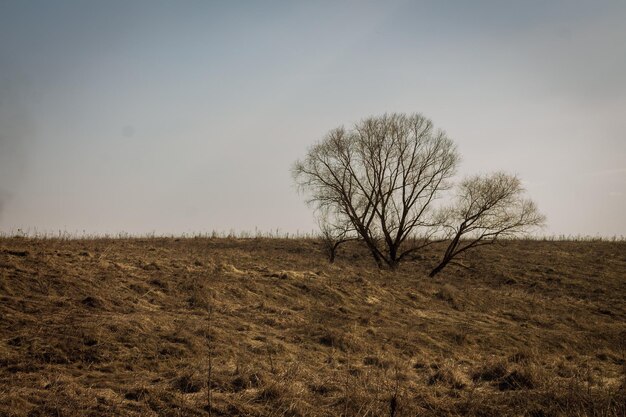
[
  {"x": 335, "y": 230},
  {"x": 487, "y": 208}
]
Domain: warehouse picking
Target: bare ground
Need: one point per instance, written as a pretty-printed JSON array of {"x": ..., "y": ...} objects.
[{"x": 129, "y": 327}]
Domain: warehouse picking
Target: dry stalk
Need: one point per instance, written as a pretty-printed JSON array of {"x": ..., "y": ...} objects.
[{"x": 210, "y": 352}]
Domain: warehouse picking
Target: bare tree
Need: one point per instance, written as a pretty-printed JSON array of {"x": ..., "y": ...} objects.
[
  {"x": 382, "y": 176},
  {"x": 487, "y": 208},
  {"x": 335, "y": 230}
]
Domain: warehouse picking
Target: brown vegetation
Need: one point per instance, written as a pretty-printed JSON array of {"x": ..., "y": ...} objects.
[{"x": 122, "y": 327}]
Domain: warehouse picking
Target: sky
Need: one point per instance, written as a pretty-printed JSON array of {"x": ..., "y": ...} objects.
[{"x": 186, "y": 117}]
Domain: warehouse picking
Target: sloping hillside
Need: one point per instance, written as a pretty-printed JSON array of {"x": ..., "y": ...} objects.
[{"x": 131, "y": 328}]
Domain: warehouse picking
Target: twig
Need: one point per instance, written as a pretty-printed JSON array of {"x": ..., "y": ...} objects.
[{"x": 210, "y": 370}]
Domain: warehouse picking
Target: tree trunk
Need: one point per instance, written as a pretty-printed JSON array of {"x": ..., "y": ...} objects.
[
  {"x": 439, "y": 267},
  {"x": 393, "y": 257},
  {"x": 371, "y": 246},
  {"x": 379, "y": 261}
]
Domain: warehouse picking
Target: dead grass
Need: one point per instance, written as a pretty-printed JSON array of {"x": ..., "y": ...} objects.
[{"x": 120, "y": 327}]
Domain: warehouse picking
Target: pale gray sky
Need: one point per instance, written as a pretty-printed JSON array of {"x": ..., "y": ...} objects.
[{"x": 141, "y": 116}]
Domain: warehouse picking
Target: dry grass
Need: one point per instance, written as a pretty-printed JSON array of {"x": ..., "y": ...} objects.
[{"x": 121, "y": 327}]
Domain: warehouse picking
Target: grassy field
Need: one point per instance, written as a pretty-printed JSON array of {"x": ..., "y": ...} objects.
[{"x": 266, "y": 327}]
